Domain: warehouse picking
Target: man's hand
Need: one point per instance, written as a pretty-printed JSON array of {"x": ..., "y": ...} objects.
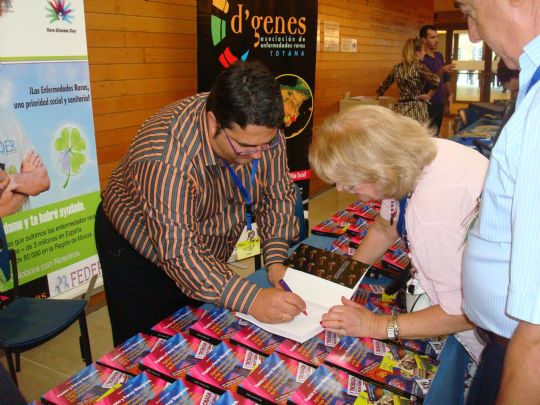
[
  {"x": 276, "y": 271},
  {"x": 449, "y": 68},
  {"x": 276, "y": 306}
]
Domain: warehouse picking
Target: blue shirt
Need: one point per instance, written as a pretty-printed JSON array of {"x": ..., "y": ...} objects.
[{"x": 502, "y": 259}]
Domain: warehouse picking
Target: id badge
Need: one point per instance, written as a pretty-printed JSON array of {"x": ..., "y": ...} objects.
[{"x": 248, "y": 245}]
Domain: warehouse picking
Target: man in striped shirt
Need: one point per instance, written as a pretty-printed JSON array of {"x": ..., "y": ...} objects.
[{"x": 176, "y": 205}]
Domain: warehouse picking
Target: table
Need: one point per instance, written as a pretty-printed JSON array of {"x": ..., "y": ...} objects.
[
  {"x": 448, "y": 384},
  {"x": 483, "y": 144},
  {"x": 488, "y": 108}
]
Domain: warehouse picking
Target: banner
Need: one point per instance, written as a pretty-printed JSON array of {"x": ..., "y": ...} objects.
[
  {"x": 47, "y": 146},
  {"x": 282, "y": 35}
]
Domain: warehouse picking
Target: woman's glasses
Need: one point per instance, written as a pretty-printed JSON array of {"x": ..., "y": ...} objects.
[{"x": 255, "y": 149}]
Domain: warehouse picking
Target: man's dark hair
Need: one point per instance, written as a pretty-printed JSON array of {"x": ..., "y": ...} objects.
[
  {"x": 424, "y": 30},
  {"x": 246, "y": 94},
  {"x": 505, "y": 74}
]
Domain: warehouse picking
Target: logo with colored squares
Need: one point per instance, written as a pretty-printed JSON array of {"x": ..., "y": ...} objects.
[
  {"x": 218, "y": 28},
  {"x": 58, "y": 10}
]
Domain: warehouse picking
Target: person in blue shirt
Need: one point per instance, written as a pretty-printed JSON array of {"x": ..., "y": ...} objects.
[{"x": 501, "y": 263}]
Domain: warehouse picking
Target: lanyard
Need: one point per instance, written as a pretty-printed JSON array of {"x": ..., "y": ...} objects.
[
  {"x": 243, "y": 190},
  {"x": 534, "y": 79},
  {"x": 401, "y": 226}
]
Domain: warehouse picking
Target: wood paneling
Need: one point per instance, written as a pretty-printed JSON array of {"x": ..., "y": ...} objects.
[{"x": 142, "y": 55}]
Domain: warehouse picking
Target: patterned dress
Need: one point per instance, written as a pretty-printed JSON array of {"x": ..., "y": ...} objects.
[{"x": 410, "y": 80}]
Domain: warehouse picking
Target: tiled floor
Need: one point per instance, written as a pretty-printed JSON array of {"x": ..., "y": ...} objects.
[{"x": 58, "y": 359}]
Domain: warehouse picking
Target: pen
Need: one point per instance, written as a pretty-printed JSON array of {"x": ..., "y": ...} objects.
[{"x": 287, "y": 288}]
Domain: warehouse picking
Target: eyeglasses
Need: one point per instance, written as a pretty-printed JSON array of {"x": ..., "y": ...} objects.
[
  {"x": 251, "y": 150},
  {"x": 348, "y": 189}
]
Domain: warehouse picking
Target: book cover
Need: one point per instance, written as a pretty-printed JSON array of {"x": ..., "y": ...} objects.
[
  {"x": 344, "y": 216},
  {"x": 183, "y": 392},
  {"x": 126, "y": 356},
  {"x": 274, "y": 381},
  {"x": 86, "y": 386},
  {"x": 137, "y": 390},
  {"x": 257, "y": 339},
  {"x": 375, "y": 204},
  {"x": 173, "y": 358},
  {"x": 178, "y": 322},
  {"x": 232, "y": 398},
  {"x": 327, "y": 386},
  {"x": 406, "y": 373},
  {"x": 216, "y": 325},
  {"x": 224, "y": 367},
  {"x": 311, "y": 271},
  {"x": 329, "y": 227},
  {"x": 312, "y": 351},
  {"x": 396, "y": 258},
  {"x": 359, "y": 228},
  {"x": 364, "y": 210},
  {"x": 374, "y": 298}
]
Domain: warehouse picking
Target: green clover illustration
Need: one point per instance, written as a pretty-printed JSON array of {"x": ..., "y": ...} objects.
[{"x": 71, "y": 148}]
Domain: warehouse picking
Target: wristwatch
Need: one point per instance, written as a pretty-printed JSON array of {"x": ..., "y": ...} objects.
[{"x": 392, "y": 328}]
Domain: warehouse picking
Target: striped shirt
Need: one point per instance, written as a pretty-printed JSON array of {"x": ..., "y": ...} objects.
[
  {"x": 410, "y": 80},
  {"x": 501, "y": 275},
  {"x": 174, "y": 200}
]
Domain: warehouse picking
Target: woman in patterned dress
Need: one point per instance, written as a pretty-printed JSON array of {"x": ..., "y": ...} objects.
[{"x": 411, "y": 76}]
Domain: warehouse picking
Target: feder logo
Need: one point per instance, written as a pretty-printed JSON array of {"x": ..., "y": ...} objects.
[
  {"x": 58, "y": 10},
  {"x": 275, "y": 33}
]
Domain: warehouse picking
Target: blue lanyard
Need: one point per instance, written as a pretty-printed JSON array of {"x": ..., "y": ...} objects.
[
  {"x": 401, "y": 226},
  {"x": 243, "y": 190},
  {"x": 534, "y": 79}
]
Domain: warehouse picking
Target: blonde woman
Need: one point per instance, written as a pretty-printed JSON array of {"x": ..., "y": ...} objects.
[
  {"x": 411, "y": 76},
  {"x": 429, "y": 187}
]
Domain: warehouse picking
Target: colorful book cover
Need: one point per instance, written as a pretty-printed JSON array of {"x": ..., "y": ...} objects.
[
  {"x": 396, "y": 258},
  {"x": 312, "y": 351},
  {"x": 327, "y": 386},
  {"x": 257, "y": 339},
  {"x": 358, "y": 205},
  {"x": 224, "y": 367},
  {"x": 173, "y": 358},
  {"x": 365, "y": 210},
  {"x": 400, "y": 370},
  {"x": 342, "y": 245},
  {"x": 126, "y": 356},
  {"x": 137, "y": 390},
  {"x": 344, "y": 216},
  {"x": 183, "y": 392},
  {"x": 216, "y": 326},
  {"x": 329, "y": 227},
  {"x": 275, "y": 380},
  {"x": 359, "y": 228},
  {"x": 431, "y": 347},
  {"x": 373, "y": 298},
  {"x": 86, "y": 386},
  {"x": 232, "y": 398},
  {"x": 178, "y": 322}
]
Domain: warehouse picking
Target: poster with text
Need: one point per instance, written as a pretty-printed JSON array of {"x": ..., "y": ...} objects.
[
  {"x": 282, "y": 35},
  {"x": 48, "y": 149}
]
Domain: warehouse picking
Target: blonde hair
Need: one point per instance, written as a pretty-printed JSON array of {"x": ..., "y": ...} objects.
[
  {"x": 372, "y": 144},
  {"x": 412, "y": 45}
]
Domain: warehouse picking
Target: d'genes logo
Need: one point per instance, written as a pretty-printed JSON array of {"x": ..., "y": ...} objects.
[
  {"x": 58, "y": 10},
  {"x": 218, "y": 28},
  {"x": 235, "y": 27}
]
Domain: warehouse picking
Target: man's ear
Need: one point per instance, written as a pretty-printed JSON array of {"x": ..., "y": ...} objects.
[{"x": 212, "y": 123}]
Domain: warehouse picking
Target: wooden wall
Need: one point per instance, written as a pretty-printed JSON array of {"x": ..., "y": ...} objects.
[{"x": 142, "y": 55}]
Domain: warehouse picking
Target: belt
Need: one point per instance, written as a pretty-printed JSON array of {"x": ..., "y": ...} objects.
[{"x": 490, "y": 337}]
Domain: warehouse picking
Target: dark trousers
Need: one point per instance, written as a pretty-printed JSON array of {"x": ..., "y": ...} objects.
[
  {"x": 9, "y": 392},
  {"x": 139, "y": 293},
  {"x": 486, "y": 382},
  {"x": 436, "y": 112}
]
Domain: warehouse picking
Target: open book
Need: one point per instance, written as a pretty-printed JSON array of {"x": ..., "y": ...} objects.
[{"x": 320, "y": 278}]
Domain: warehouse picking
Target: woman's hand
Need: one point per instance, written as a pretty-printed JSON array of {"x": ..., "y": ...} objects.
[
  {"x": 352, "y": 319},
  {"x": 424, "y": 97}
]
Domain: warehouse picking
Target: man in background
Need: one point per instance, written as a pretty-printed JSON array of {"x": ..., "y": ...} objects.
[
  {"x": 434, "y": 60},
  {"x": 501, "y": 275}
]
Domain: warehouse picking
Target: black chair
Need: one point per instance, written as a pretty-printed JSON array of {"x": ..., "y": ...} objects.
[{"x": 26, "y": 323}]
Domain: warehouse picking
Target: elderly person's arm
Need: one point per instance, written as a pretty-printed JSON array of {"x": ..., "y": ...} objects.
[{"x": 380, "y": 236}]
